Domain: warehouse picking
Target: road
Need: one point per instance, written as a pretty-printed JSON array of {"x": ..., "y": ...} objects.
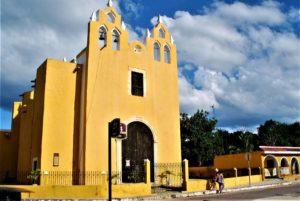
[{"x": 286, "y": 193}]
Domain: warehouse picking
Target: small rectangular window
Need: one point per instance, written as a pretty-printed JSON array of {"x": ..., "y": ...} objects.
[
  {"x": 56, "y": 159},
  {"x": 137, "y": 84}
]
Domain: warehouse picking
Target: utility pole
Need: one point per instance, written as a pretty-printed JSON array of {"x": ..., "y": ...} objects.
[
  {"x": 116, "y": 129},
  {"x": 109, "y": 168},
  {"x": 248, "y": 158},
  {"x": 213, "y": 110}
]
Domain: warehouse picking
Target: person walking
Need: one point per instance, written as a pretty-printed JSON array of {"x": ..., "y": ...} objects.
[{"x": 220, "y": 180}]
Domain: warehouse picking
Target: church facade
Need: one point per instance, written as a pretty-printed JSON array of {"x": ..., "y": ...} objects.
[{"x": 62, "y": 125}]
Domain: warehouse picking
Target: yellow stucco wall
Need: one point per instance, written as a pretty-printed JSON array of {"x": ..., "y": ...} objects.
[
  {"x": 72, "y": 103},
  {"x": 58, "y": 117},
  {"x": 240, "y": 181},
  {"x": 258, "y": 159},
  {"x": 237, "y": 161},
  {"x": 201, "y": 185},
  {"x": 8, "y": 164},
  {"x": 25, "y": 138},
  {"x": 38, "y": 119},
  {"x": 9, "y": 140},
  {"x": 196, "y": 185},
  {"x": 107, "y": 68}
]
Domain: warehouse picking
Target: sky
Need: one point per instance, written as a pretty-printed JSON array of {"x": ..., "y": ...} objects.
[{"x": 238, "y": 60}]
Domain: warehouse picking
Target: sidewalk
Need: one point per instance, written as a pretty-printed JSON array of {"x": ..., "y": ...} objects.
[{"x": 171, "y": 195}]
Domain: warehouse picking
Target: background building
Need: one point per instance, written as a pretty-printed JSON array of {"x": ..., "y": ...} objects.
[{"x": 270, "y": 162}]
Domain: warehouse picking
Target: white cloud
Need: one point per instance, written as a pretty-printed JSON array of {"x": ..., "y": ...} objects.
[
  {"x": 135, "y": 34},
  {"x": 31, "y": 32},
  {"x": 133, "y": 8},
  {"x": 191, "y": 98},
  {"x": 252, "y": 129},
  {"x": 242, "y": 59},
  {"x": 246, "y": 67},
  {"x": 294, "y": 14},
  {"x": 31, "y": 35},
  {"x": 206, "y": 39},
  {"x": 268, "y": 13}
]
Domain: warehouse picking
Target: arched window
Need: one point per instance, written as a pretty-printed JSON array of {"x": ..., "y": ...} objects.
[
  {"x": 161, "y": 33},
  {"x": 156, "y": 48},
  {"x": 295, "y": 166},
  {"x": 271, "y": 166},
  {"x": 115, "y": 40},
  {"x": 284, "y": 169},
  {"x": 111, "y": 17},
  {"x": 284, "y": 162},
  {"x": 167, "y": 54},
  {"x": 102, "y": 37}
]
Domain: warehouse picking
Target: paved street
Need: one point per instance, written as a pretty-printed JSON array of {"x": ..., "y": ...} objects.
[{"x": 288, "y": 192}]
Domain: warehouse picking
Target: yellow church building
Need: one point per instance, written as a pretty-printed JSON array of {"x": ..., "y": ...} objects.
[{"x": 62, "y": 125}]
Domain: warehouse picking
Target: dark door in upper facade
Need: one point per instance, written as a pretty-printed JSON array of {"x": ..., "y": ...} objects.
[{"x": 135, "y": 149}]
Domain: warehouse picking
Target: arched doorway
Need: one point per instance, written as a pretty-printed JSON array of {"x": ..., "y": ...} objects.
[
  {"x": 135, "y": 149},
  {"x": 284, "y": 167},
  {"x": 294, "y": 166},
  {"x": 271, "y": 167}
]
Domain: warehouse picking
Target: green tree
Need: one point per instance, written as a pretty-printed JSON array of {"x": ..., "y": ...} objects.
[
  {"x": 294, "y": 134},
  {"x": 274, "y": 133},
  {"x": 238, "y": 141},
  {"x": 269, "y": 133},
  {"x": 200, "y": 142}
]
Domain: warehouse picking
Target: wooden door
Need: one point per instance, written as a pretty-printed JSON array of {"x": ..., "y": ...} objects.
[{"x": 137, "y": 147}]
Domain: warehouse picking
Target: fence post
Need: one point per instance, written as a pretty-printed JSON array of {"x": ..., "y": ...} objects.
[
  {"x": 42, "y": 178},
  {"x": 249, "y": 172},
  {"x": 235, "y": 172},
  {"x": 185, "y": 170},
  {"x": 147, "y": 171},
  {"x": 235, "y": 175},
  {"x": 262, "y": 177}
]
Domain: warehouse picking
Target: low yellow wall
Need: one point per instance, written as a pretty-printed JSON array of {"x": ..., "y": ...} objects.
[
  {"x": 201, "y": 184},
  {"x": 131, "y": 190},
  {"x": 95, "y": 191},
  {"x": 240, "y": 181},
  {"x": 196, "y": 185},
  {"x": 291, "y": 177},
  {"x": 231, "y": 161}
]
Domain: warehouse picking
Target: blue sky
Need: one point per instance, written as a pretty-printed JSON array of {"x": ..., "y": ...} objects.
[{"x": 242, "y": 57}]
